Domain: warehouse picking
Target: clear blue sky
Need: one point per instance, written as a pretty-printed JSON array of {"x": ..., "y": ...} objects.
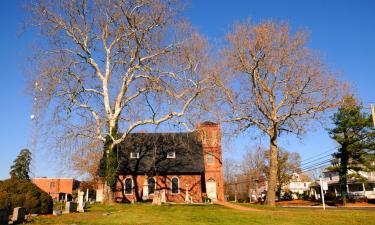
[{"x": 343, "y": 31}]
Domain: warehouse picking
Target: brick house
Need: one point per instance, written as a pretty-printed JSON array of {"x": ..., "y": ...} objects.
[
  {"x": 57, "y": 188},
  {"x": 183, "y": 166}
]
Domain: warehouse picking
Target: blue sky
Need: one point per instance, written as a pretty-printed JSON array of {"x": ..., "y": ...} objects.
[{"x": 342, "y": 31}]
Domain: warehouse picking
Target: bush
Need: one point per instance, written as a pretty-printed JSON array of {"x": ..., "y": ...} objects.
[
  {"x": 23, "y": 193},
  {"x": 287, "y": 196}
]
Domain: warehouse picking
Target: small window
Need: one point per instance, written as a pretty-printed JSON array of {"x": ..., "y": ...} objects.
[
  {"x": 204, "y": 137},
  {"x": 128, "y": 186},
  {"x": 214, "y": 137},
  {"x": 210, "y": 158},
  {"x": 330, "y": 176},
  {"x": 304, "y": 184},
  {"x": 175, "y": 189},
  {"x": 52, "y": 185},
  {"x": 134, "y": 155},
  {"x": 171, "y": 155},
  {"x": 151, "y": 185}
]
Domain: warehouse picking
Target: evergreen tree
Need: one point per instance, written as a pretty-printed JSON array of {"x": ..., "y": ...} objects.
[
  {"x": 21, "y": 165},
  {"x": 354, "y": 132}
]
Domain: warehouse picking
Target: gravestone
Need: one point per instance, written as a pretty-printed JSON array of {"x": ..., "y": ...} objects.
[
  {"x": 3, "y": 216},
  {"x": 81, "y": 203},
  {"x": 18, "y": 215},
  {"x": 57, "y": 212},
  {"x": 156, "y": 199},
  {"x": 163, "y": 198},
  {"x": 70, "y": 207}
]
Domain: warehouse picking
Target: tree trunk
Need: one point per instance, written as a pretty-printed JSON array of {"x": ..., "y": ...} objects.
[
  {"x": 108, "y": 198},
  {"x": 343, "y": 173},
  {"x": 272, "y": 178}
]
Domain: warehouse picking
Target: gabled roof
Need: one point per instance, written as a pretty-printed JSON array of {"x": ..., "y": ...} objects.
[{"x": 153, "y": 149}]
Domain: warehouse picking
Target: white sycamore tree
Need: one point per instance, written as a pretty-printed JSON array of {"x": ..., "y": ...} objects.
[{"x": 107, "y": 67}]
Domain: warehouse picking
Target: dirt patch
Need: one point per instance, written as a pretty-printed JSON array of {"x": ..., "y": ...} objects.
[
  {"x": 238, "y": 207},
  {"x": 297, "y": 203}
]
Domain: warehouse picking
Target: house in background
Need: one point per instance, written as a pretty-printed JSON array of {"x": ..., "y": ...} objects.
[
  {"x": 354, "y": 187},
  {"x": 58, "y": 188},
  {"x": 182, "y": 167},
  {"x": 299, "y": 184}
]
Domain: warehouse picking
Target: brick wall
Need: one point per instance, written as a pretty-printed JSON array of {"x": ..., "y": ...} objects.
[
  {"x": 54, "y": 186},
  {"x": 210, "y": 134},
  {"x": 191, "y": 182}
]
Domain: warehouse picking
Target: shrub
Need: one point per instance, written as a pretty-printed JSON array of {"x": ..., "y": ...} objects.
[
  {"x": 23, "y": 193},
  {"x": 287, "y": 196}
]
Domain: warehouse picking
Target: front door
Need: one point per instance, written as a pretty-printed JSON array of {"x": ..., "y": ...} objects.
[{"x": 211, "y": 189}]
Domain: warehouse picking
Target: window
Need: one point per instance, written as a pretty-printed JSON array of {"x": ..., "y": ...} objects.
[
  {"x": 210, "y": 158},
  {"x": 151, "y": 185},
  {"x": 204, "y": 136},
  {"x": 134, "y": 155},
  {"x": 52, "y": 185},
  {"x": 214, "y": 137},
  {"x": 330, "y": 176},
  {"x": 175, "y": 189},
  {"x": 128, "y": 186},
  {"x": 171, "y": 155}
]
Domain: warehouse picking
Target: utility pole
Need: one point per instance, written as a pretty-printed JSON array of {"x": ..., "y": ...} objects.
[
  {"x": 373, "y": 113},
  {"x": 322, "y": 193},
  {"x": 235, "y": 189}
]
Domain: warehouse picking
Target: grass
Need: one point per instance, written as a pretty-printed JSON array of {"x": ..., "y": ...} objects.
[{"x": 207, "y": 214}]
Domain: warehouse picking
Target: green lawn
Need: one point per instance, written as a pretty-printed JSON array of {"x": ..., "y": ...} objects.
[{"x": 207, "y": 214}]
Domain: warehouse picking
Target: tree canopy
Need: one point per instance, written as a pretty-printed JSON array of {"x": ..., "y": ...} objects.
[
  {"x": 354, "y": 132},
  {"x": 21, "y": 165}
]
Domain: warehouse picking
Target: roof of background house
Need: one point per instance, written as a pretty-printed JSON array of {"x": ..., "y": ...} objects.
[{"x": 153, "y": 149}]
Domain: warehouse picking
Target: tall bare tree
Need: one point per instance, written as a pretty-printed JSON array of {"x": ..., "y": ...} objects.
[
  {"x": 275, "y": 83},
  {"x": 106, "y": 67}
]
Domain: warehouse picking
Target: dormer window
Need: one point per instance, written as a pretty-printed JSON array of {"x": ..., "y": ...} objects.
[
  {"x": 171, "y": 155},
  {"x": 134, "y": 155}
]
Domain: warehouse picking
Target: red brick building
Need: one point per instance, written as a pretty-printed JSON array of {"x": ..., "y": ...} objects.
[
  {"x": 58, "y": 188},
  {"x": 181, "y": 165}
]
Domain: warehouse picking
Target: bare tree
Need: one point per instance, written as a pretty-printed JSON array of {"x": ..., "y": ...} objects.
[
  {"x": 105, "y": 68},
  {"x": 288, "y": 163},
  {"x": 254, "y": 164},
  {"x": 274, "y": 83},
  {"x": 229, "y": 169}
]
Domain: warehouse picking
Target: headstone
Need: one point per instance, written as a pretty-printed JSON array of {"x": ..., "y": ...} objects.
[
  {"x": 163, "y": 198},
  {"x": 187, "y": 197},
  {"x": 81, "y": 203},
  {"x": 156, "y": 199},
  {"x": 87, "y": 195},
  {"x": 18, "y": 215},
  {"x": 57, "y": 212},
  {"x": 3, "y": 216},
  {"x": 70, "y": 207},
  {"x": 145, "y": 190}
]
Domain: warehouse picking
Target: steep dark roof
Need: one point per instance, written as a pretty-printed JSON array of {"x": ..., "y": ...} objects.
[{"x": 153, "y": 148}]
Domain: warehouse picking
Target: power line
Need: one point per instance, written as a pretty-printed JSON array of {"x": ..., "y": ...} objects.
[
  {"x": 311, "y": 161},
  {"x": 316, "y": 163},
  {"x": 325, "y": 152}
]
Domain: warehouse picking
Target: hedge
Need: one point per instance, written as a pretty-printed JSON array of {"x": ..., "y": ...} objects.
[{"x": 23, "y": 193}]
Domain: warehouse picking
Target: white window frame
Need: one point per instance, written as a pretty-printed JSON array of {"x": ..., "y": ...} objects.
[
  {"x": 132, "y": 186},
  {"x": 134, "y": 155},
  {"x": 213, "y": 158},
  {"x": 178, "y": 186},
  {"x": 173, "y": 156}
]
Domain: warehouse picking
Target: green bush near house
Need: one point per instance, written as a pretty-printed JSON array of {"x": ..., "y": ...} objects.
[{"x": 23, "y": 193}]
